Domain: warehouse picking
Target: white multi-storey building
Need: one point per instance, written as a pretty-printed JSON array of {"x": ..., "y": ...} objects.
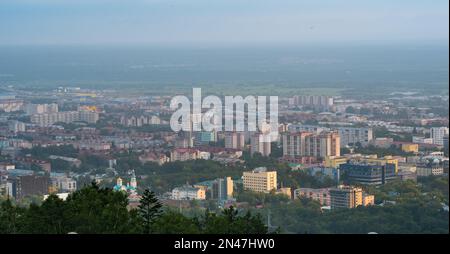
[
  {"x": 31, "y": 109},
  {"x": 350, "y": 135},
  {"x": 437, "y": 134},
  {"x": 16, "y": 126},
  {"x": 188, "y": 193},
  {"x": 48, "y": 119}
]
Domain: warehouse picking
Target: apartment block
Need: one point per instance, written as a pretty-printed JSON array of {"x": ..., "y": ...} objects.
[
  {"x": 438, "y": 134},
  {"x": 346, "y": 197},
  {"x": 235, "y": 140},
  {"x": 260, "y": 180},
  {"x": 188, "y": 193},
  {"x": 259, "y": 145},
  {"x": 321, "y": 195},
  {"x": 304, "y": 144},
  {"x": 48, "y": 119}
]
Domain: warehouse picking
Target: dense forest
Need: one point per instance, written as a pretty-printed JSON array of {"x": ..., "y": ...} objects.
[
  {"x": 95, "y": 210},
  {"x": 412, "y": 208},
  {"x": 401, "y": 207}
]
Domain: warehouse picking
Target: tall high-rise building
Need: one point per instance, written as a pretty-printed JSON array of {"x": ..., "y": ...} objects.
[
  {"x": 352, "y": 136},
  {"x": 445, "y": 141},
  {"x": 316, "y": 101},
  {"x": 348, "y": 135},
  {"x": 31, "y": 109},
  {"x": 294, "y": 144},
  {"x": 222, "y": 189},
  {"x": 320, "y": 145},
  {"x": 88, "y": 116},
  {"x": 258, "y": 144},
  {"x": 260, "y": 180},
  {"x": 184, "y": 139},
  {"x": 323, "y": 145},
  {"x": 205, "y": 137},
  {"x": 10, "y": 104},
  {"x": 16, "y": 126},
  {"x": 196, "y": 120},
  {"x": 437, "y": 134},
  {"x": 235, "y": 140}
]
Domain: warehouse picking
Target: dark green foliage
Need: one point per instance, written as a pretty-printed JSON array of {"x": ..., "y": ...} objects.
[
  {"x": 170, "y": 175},
  {"x": 98, "y": 210},
  {"x": 435, "y": 183},
  {"x": 258, "y": 198},
  {"x": 172, "y": 222},
  {"x": 94, "y": 210},
  {"x": 302, "y": 179},
  {"x": 48, "y": 218},
  {"x": 149, "y": 210},
  {"x": 415, "y": 211},
  {"x": 44, "y": 152},
  {"x": 227, "y": 222},
  {"x": 9, "y": 217},
  {"x": 59, "y": 165}
]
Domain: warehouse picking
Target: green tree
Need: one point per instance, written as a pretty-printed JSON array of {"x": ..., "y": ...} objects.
[
  {"x": 98, "y": 210},
  {"x": 9, "y": 217},
  {"x": 149, "y": 210},
  {"x": 49, "y": 218},
  {"x": 172, "y": 222},
  {"x": 230, "y": 222}
]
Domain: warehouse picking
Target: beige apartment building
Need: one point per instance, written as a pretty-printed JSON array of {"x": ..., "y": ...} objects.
[
  {"x": 322, "y": 145},
  {"x": 346, "y": 197},
  {"x": 260, "y": 180},
  {"x": 257, "y": 145}
]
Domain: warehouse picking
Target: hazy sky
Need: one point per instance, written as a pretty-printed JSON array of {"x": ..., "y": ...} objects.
[{"x": 222, "y": 22}]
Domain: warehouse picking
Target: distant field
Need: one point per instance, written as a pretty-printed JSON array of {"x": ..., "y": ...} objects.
[{"x": 364, "y": 71}]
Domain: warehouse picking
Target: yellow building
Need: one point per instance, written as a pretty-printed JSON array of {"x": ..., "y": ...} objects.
[
  {"x": 368, "y": 200},
  {"x": 383, "y": 161},
  {"x": 88, "y": 108},
  {"x": 349, "y": 197},
  {"x": 285, "y": 191},
  {"x": 229, "y": 186},
  {"x": 410, "y": 148},
  {"x": 201, "y": 194},
  {"x": 334, "y": 161},
  {"x": 202, "y": 187},
  {"x": 370, "y": 159},
  {"x": 260, "y": 180},
  {"x": 346, "y": 197},
  {"x": 52, "y": 189}
]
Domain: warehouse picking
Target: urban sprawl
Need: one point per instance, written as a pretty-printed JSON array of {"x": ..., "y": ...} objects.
[{"x": 335, "y": 151}]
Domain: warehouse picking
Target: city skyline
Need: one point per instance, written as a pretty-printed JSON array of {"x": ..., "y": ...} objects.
[{"x": 246, "y": 120}]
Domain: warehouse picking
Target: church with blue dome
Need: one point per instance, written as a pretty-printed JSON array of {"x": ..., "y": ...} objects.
[{"x": 130, "y": 188}]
